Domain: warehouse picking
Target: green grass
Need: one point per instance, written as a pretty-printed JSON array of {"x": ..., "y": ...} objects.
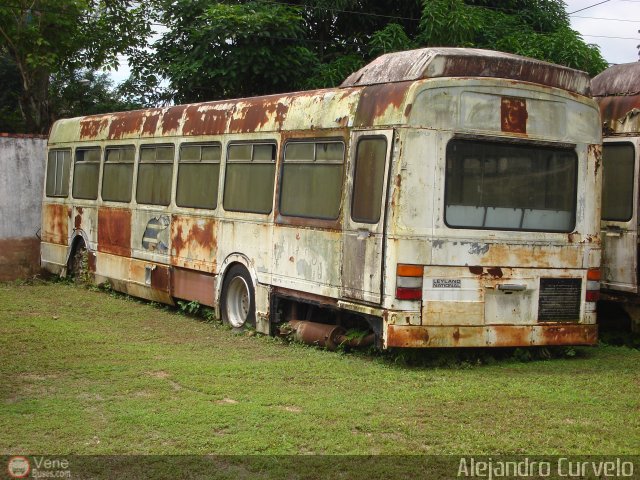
[{"x": 85, "y": 372}]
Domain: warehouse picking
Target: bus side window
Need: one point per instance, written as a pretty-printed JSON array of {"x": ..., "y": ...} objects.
[
  {"x": 249, "y": 177},
  {"x": 617, "y": 181},
  {"x": 58, "y": 166},
  {"x": 311, "y": 183},
  {"x": 85, "y": 173},
  {"x": 117, "y": 177},
  {"x": 155, "y": 172},
  {"x": 198, "y": 174},
  {"x": 368, "y": 180}
]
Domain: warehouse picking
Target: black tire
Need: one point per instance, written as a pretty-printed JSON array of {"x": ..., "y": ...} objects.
[{"x": 238, "y": 299}]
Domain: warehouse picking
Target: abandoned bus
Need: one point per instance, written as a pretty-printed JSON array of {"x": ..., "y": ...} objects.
[
  {"x": 439, "y": 197},
  {"x": 617, "y": 91}
]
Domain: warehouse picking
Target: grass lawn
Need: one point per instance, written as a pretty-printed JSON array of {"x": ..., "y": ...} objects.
[{"x": 85, "y": 372}]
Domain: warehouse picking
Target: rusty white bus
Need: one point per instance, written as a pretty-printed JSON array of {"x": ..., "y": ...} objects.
[
  {"x": 439, "y": 197},
  {"x": 617, "y": 91}
]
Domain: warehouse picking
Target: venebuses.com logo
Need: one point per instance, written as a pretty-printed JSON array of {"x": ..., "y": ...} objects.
[{"x": 19, "y": 467}]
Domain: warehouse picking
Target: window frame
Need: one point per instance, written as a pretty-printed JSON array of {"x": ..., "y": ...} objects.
[
  {"x": 304, "y": 220},
  {"x": 273, "y": 161},
  {"x": 155, "y": 162},
  {"x": 54, "y": 194},
  {"x": 569, "y": 148},
  {"x": 384, "y": 179},
  {"x": 634, "y": 195},
  {"x": 199, "y": 162},
  {"x": 75, "y": 163},
  {"x": 125, "y": 146}
]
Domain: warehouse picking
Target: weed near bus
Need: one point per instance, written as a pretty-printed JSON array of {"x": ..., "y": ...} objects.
[{"x": 89, "y": 373}]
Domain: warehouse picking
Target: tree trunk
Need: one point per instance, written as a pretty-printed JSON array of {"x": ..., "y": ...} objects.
[{"x": 34, "y": 101}]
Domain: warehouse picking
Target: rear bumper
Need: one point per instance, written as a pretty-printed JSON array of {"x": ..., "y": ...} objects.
[{"x": 409, "y": 336}]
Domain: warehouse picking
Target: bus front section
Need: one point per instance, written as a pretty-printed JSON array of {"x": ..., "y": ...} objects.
[{"x": 493, "y": 224}]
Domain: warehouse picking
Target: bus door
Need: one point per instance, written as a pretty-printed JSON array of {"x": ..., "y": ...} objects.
[
  {"x": 620, "y": 215},
  {"x": 364, "y": 222},
  {"x": 152, "y": 219}
]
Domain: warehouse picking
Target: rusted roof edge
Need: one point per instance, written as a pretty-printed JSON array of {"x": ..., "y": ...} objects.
[{"x": 467, "y": 62}]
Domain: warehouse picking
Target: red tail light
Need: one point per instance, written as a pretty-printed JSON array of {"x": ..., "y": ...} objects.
[
  {"x": 409, "y": 282},
  {"x": 593, "y": 285}
]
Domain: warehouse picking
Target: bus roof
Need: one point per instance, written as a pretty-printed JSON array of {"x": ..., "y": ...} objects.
[
  {"x": 617, "y": 91},
  {"x": 374, "y": 95},
  {"x": 623, "y": 79},
  {"x": 466, "y": 62}
]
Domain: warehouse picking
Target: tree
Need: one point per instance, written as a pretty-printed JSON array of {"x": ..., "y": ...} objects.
[
  {"x": 85, "y": 92},
  {"x": 10, "y": 119},
  {"x": 223, "y": 49},
  {"x": 45, "y": 38}
]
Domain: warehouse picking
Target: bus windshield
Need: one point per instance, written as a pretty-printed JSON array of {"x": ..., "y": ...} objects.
[{"x": 504, "y": 186}]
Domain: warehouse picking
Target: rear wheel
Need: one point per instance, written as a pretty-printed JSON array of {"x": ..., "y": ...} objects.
[{"x": 238, "y": 304}]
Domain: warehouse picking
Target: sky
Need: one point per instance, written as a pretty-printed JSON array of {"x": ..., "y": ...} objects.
[{"x": 611, "y": 24}]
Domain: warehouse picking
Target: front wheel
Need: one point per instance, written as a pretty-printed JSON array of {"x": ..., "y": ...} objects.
[{"x": 238, "y": 304}]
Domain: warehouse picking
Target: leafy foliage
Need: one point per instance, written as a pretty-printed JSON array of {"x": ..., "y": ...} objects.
[
  {"x": 45, "y": 38},
  {"x": 215, "y": 50}
]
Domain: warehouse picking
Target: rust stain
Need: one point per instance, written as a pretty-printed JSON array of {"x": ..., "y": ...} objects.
[
  {"x": 171, "y": 119},
  {"x": 151, "y": 120},
  {"x": 90, "y": 127},
  {"x": 476, "y": 270},
  {"x": 190, "y": 285},
  {"x": 114, "y": 231},
  {"x": 193, "y": 242},
  {"x": 251, "y": 116},
  {"x": 55, "y": 223},
  {"x": 205, "y": 119},
  {"x": 281, "y": 113},
  {"x": 376, "y": 99},
  {"x": 492, "y": 336},
  {"x": 596, "y": 152},
  {"x": 78, "y": 221},
  {"x": 125, "y": 124},
  {"x": 569, "y": 335},
  {"x": 495, "y": 272},
  {"x": 407, "y": 110},
  {"x": 343, "y": 121},
  {"x": 513, "y": 115},
  {"x": 616, "y": 110},
  {"x": 160, "y": 278}
]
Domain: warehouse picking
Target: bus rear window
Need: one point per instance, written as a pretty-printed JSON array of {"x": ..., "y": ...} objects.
[
  {"x": 503, "y": 186},
  {"x": 617, "y": 182}
]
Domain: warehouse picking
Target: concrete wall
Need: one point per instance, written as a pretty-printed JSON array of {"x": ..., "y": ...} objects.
[{"x": 22, "y": 168}]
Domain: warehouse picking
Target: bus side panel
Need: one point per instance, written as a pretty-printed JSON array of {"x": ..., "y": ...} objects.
[
  {"x": 55, "y": 223},
  {"x": 194, "y": 243},
  {"x": 308, "y": 260},
  {"x": 114, "y": 231}
]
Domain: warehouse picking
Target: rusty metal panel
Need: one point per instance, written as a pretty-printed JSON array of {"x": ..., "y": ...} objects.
[
  {"x": 190, "y": 285},
  {"x": 85, "y": 222},
  {"x": 94, "y": 127},
  {"x": 114, "y": 231},
  {"x": 467, "y": 62},
  {"x": 620, "y": 114},
  {"x": 381, "y": 104},
  {"x": 194, "y": 242},
  {"x": 490, "y": 336},
  {"x": 55, "y": 223},
  {"x": 308, "y": 260}
]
